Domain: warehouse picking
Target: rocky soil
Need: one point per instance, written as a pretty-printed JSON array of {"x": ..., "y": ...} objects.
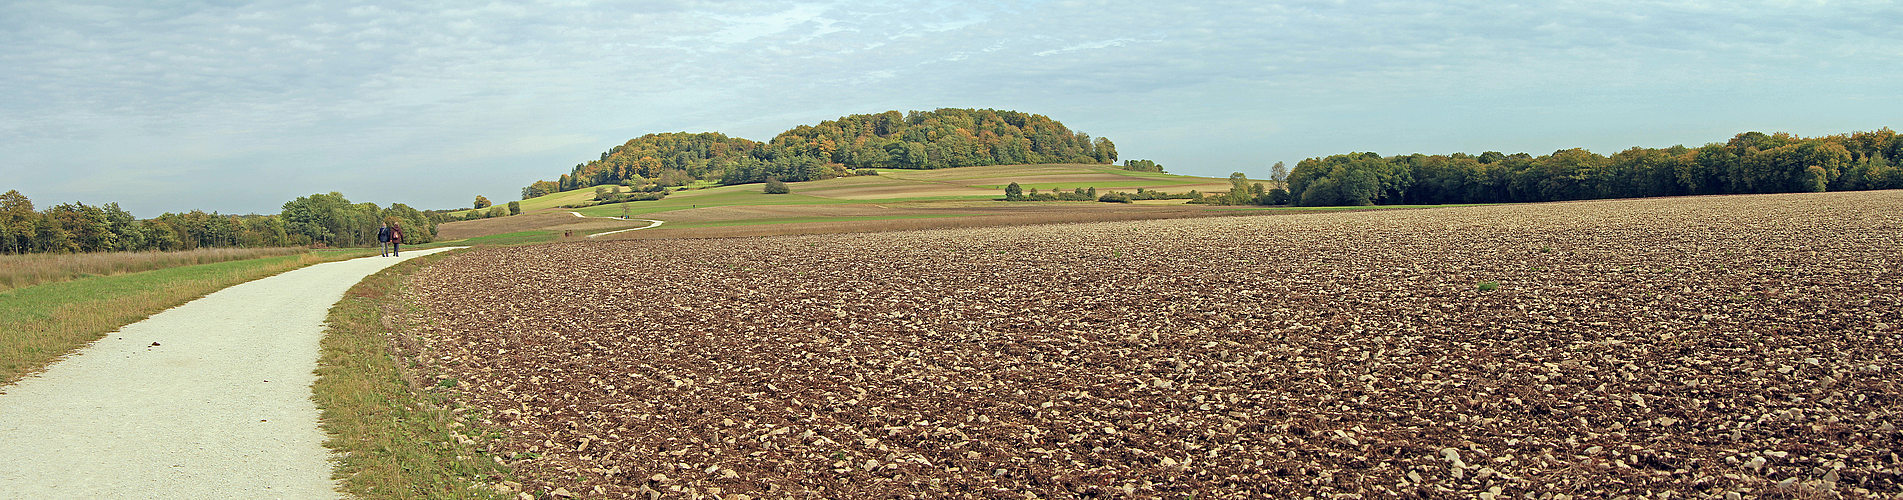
[{"x": 1719, "y": 347}]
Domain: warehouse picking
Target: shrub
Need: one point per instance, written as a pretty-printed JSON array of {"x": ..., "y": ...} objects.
[
  {"x": 515, "y": 208},
  {"x": 1114, "y": 197},
  {"x": 774, "y": 186},
  {"x": 1277, "y": 196}
]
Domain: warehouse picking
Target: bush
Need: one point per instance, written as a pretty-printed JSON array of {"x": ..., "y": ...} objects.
[
  {"x": 515, "y": 208},
  {"x": 1277, "y": 196},
  {"x": 774, "y": 186},
  {"x": 1114, "y": 197}
]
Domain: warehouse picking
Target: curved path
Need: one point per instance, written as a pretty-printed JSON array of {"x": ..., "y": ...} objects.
[
  {"x": 651, "y": 224},
  {"x": 211, "y": 399}
]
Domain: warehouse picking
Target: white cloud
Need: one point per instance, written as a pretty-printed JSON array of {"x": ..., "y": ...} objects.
[{"x": 526, "y": 90}]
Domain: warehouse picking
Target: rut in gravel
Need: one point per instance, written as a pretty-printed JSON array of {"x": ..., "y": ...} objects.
[{"x": 1702, "y": 346}]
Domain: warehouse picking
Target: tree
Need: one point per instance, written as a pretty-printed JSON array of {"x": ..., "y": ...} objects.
[
  {"x": 17, "y": 222},
  {"x": 1013, "y": 192},
  {"x": 774, "y": 186},
  {"x": 1279, "y": 173},
  {"x": 515, "y": 208},
  {"x": 482, "y": 202}
]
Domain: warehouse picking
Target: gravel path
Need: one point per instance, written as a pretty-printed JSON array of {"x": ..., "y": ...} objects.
[{"x": 210, "y": 399}]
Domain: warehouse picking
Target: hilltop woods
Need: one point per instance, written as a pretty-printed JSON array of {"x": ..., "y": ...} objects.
[{"x": 945, "y": 138}]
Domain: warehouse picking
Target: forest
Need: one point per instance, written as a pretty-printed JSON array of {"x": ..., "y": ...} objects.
[
  {"x": 318, "y": 219},
  {"x": 1751, "y": 162},
  {"x": 944, "y": 138}
]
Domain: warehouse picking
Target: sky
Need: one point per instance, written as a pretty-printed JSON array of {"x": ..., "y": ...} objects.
[{"x": 237, "y": 107}]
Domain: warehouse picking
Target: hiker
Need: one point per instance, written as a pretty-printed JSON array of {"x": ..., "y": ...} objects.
[
  {"x": 383, "y": 239},
  {"x": 396, "y": 238}
]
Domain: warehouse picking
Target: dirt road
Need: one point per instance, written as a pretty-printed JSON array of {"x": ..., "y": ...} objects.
[{"x": 210, "y": 399}]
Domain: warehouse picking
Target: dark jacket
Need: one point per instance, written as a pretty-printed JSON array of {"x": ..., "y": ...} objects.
[{"x": 383, "y": 234}]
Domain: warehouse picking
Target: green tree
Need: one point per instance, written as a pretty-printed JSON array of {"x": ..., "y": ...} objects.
[
  {"x": 482, "y": 202},
  {"x": 774, "y": 186},
  {"x": 515, "y": 208},
  {"x": 1013, "y": 192}
]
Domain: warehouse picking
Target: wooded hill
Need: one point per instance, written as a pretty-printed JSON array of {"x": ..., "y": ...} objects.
[
  {"x": 1751, "y": 162},
  {"x": 944, "y": 138}
]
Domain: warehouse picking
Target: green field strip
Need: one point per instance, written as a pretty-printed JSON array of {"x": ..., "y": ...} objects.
[{"x": 804, "y": 220}]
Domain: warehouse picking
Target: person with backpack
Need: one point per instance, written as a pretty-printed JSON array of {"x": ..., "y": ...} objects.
[
  {"x": 396, "y": 238},
  {"x": 383, "y": 239}
]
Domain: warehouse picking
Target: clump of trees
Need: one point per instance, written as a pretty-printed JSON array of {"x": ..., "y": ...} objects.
[
  {"x": 326, "y": 219},
  {"x": 332, "y": 220},
  {"x": 1142, "y": 166},
  {"x": 1751, "y": 162},
  {"x": 608, "y": 195},
  {"x": 1243, "y": 192},
  {"x": 1143, "y": 194},
  {"x": 1015, "y": 192},
  {"x": 850, "y": 145}
]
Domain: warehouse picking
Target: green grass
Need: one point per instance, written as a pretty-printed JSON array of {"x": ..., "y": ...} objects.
[
  {"x": 725, "y": 196},
  {"x": 1101, "y": 186},
  {"x": 395, "y": 435},
  {"x": 800, "y": 220},
  {"x": 515, "y": 238},
  {"x": 705, "y": 194},
  {"x": 40, "y": 323}
]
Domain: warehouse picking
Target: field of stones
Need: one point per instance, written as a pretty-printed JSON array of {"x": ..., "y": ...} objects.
[{"x": 1715, "y": 347}]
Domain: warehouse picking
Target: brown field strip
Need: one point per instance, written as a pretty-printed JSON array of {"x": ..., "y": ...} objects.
[{"x": 1701, "y": 346}]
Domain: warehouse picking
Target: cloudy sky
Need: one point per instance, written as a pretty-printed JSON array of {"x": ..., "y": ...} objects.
[{"x": 240, "y": 106}]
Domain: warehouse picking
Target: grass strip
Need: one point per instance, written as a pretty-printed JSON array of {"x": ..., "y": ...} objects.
[
  {"x": 40, "y": 323},
  {"x": 804, "y": 220},
  {"x": 395, "y": 438},
  {"x": 18, "y": 271}
]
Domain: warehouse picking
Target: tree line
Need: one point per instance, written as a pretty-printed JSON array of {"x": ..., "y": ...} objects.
[
  {"x": 319, "y": 219},
  {"x": 944, "y": 138},
  {"x": 1751, "y": 162}
]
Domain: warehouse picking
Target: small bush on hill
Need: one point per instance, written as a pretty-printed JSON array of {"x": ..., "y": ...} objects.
[{"x": 774, "y": 186}]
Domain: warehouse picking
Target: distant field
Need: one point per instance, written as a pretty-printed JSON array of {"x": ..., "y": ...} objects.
[{"x": 897, "y": 193}]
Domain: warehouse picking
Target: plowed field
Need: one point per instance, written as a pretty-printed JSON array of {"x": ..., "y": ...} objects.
[{"x": 1701, "y": 346}]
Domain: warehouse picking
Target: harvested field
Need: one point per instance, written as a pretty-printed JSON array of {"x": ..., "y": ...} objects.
[{"x": 1701, "y": 346}]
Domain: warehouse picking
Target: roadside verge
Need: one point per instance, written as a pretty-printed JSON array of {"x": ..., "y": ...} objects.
[{"x": 394, "y": 437}]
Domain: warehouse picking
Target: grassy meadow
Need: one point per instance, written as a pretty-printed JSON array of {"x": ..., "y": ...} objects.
[{"x": 894, "y": 194}]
